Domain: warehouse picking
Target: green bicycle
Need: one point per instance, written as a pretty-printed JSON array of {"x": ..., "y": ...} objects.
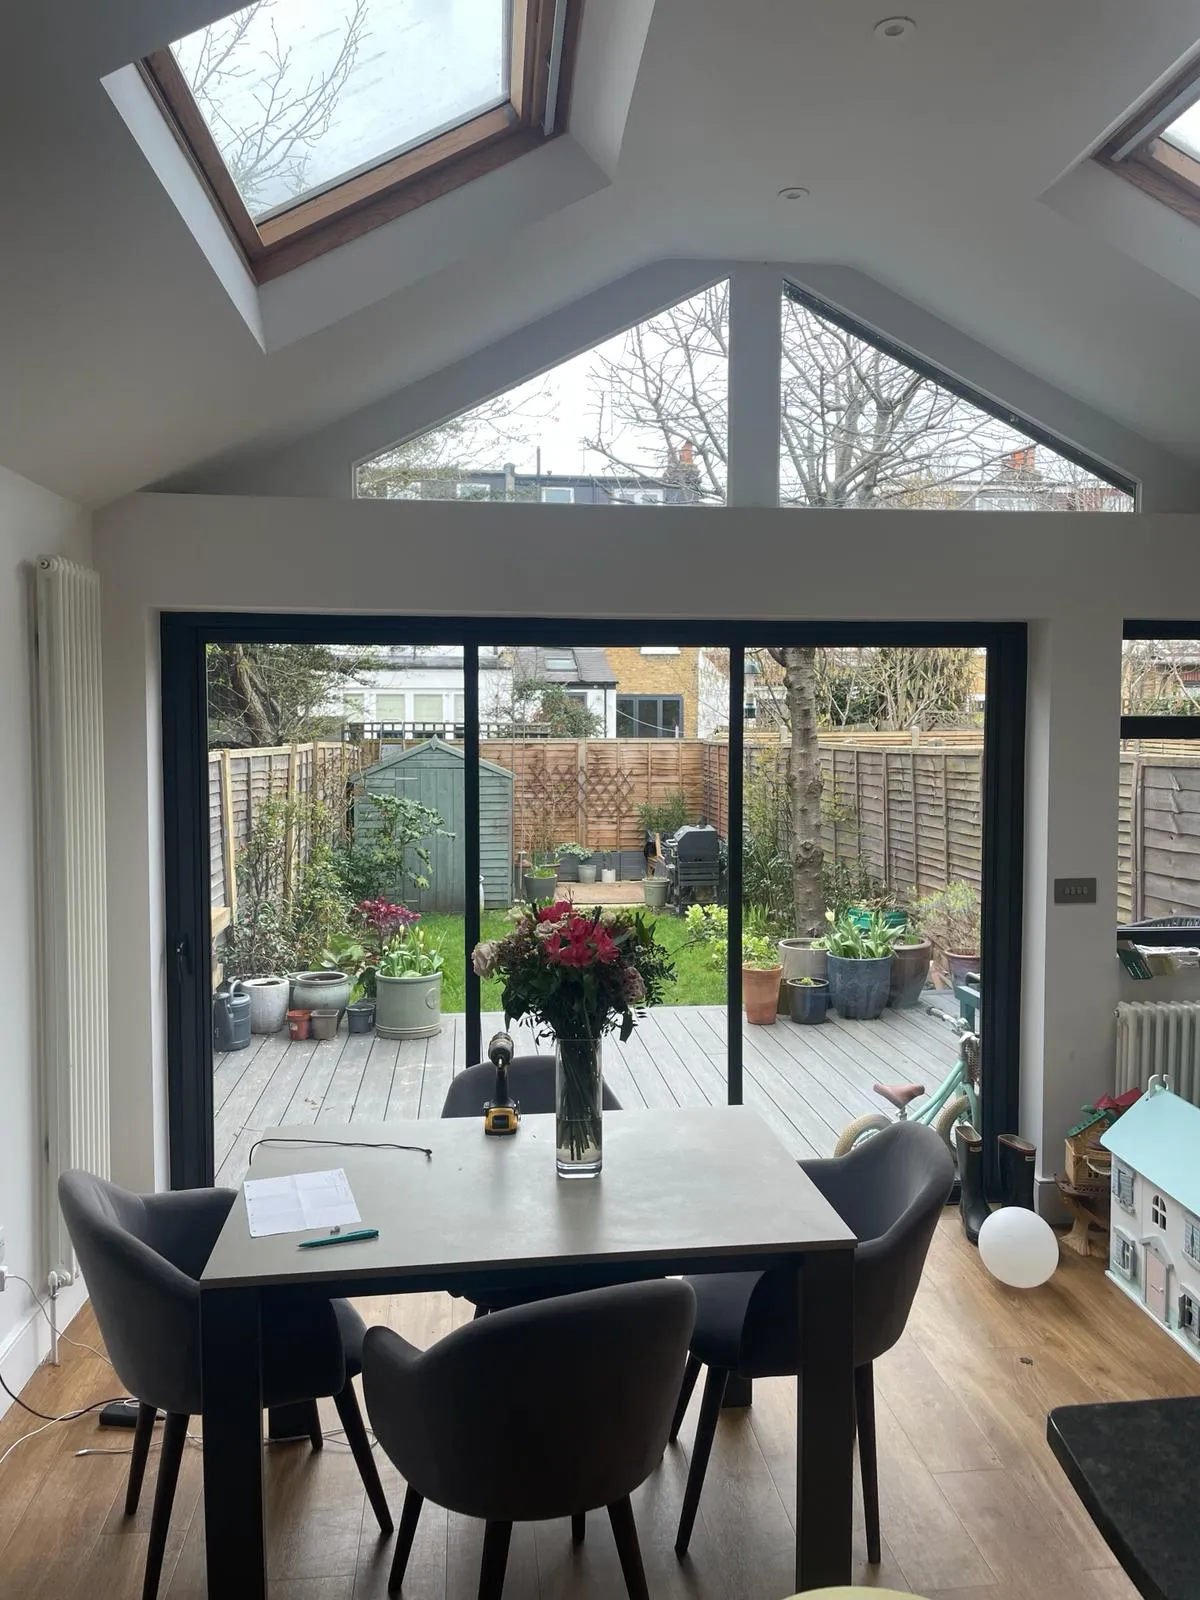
[{"x": 955, "y": 1100}]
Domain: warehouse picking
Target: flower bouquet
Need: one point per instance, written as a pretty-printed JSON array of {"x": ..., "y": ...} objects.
[{"x": 578, "y": 976}]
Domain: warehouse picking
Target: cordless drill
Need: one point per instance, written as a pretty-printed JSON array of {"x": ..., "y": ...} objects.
[{"x": 501, "y": 1114}]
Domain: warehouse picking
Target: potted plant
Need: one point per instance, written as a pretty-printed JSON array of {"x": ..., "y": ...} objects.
[
  {"x": 571, "y": 863},
  {"x": 408, "y": 987},
  {"x": 808, "y": 998},
  {"x": 800, "y": 958},
  {"x": 911, "y": 956},
  {"x": 258, "y": 952},
  {"x": 860, "y": 965},
  {"x": 950, "y": 920},
  {"x": 654, "y": 892},
  {"x": 540, "y": 878},
  {"x": 761, "y": 973}
]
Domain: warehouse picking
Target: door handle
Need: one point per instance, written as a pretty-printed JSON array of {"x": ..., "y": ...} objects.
[{"x": 183, "y": 961}]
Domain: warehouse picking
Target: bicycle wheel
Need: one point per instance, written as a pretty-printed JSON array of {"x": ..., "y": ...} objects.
[
  {"x": 861, "y": 1128},
  {"x": 951, "y": 1114}
]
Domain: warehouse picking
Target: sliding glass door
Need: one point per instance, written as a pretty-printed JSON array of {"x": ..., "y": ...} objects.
[{"x": 370, "y": 797}]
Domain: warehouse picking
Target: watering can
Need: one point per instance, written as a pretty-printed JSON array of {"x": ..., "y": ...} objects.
[{"x": 231, "y": 1016}]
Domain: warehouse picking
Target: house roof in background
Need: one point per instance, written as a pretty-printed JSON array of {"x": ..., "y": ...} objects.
[
  {"x": 590, "y": 667},
  {"x": 1159, "y": 1136}
]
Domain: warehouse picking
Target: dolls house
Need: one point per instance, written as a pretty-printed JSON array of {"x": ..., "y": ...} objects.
[{"x": 1154, "y": 1238}]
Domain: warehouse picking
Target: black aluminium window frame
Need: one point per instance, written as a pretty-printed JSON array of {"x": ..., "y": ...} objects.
[
  {"x": 660, "y": 700},
  {"x": 1158, "y": 727},
  {"x": 183, "y": 636},
  {"x": 962, "y": 390}
]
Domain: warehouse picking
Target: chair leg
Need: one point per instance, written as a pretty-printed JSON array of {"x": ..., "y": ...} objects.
[
  {"x": 364, "y": 1458},
  {"x": 143, "y": 1433},
  {"x": 578, "y": 1527},
  {"x": 409, "y": 1518},
  {"x": 170, "y": 1455},
  {"x": 706, "y": 1428},
  {"x": 868, "y": 1464},
  {"x": 496, "y": 1536},
  {"x": 315, "y": 1431},
  {"x": 620, "y": 1514},
  {"x": 690, "y": 1373}
]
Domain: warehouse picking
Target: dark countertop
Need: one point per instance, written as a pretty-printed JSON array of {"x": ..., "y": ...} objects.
[{"x": 1134, "y": 1466}]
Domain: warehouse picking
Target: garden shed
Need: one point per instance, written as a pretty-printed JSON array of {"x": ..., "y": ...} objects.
[{"x": 432, "y": 773}]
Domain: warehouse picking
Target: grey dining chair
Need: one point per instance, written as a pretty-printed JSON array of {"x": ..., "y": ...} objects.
[
  {"x": 531, "y": 1085},
  {"x": 890, "y": 1190},
  {"x": 141, "y": 1257},
  {"x": 533, "y": 1413}
]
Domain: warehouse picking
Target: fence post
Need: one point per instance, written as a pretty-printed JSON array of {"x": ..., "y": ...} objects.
[
  {"x": 228, "y": 853},
  {"x": 946, "y": 818},
  {"x": 1137, "y": 841},
  {"x": 916, "y": 818},
  {"x": 289, "y": 842},
  {"x": 886, "y": 874},
  {"x": 581, "y": 774}
]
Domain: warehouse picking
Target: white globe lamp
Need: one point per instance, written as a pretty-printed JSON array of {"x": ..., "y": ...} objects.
[{"x": 1018, "y": 1247}]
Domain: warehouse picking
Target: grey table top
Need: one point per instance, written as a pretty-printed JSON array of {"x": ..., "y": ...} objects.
[{"x": 685, "y": 1185}]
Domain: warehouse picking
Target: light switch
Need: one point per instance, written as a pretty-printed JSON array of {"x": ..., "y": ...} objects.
[{"x": 1074, "y": 891}]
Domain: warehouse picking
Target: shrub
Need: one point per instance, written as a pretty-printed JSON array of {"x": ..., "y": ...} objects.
[
  {"x": 950, "y": 918},
  {"x": 667, "y": 817}
]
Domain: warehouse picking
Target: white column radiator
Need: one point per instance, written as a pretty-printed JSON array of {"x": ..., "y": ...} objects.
[
  {"x": 1157, "y": 1036},
  {"x": 73, "y": 931}
]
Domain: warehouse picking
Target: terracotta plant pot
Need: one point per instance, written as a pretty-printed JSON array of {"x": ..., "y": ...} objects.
[
  {"x": 799, "y": 960},
  {"x": 299, "y": 1023},
  {"x": 760, "y": 993},
  {"x": 910, "y": 973},
  {"x": 324, "y": 1023}
]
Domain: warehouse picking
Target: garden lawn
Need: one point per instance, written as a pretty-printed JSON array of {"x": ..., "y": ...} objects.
[{"x": 697, "y": 982}]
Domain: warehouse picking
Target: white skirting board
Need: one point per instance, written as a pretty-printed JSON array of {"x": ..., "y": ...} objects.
[{"x": 27, "y": 1345}]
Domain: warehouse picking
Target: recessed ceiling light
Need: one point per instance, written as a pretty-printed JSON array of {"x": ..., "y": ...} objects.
[
  {"x": 793, "y": 192},
  {"x": 892, "y": 29}
]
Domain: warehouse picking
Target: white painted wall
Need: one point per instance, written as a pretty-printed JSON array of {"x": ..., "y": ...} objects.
[
  {"x": 1071, "y": 577},
  {"x": 33, "y": 522}
]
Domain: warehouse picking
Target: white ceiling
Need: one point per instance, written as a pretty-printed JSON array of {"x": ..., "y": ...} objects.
[{"x": 124, "y": 362}]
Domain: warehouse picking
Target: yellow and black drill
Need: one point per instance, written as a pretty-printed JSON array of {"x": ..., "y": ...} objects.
[{"x": 501, "y": 1114}]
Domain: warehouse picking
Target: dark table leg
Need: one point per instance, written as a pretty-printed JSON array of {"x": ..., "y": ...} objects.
[
  {"x": 234, "y": 1523},
  {"x": 739, "y": 1392},
  {"x": 825, "y": 1420}
]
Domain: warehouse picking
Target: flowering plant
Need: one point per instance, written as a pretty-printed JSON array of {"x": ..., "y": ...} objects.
[
  {"x": 374, "y": 945},
  {"x": 578, "y": 975}
]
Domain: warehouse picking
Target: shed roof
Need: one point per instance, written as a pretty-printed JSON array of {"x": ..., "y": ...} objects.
[
  {"x": 443, "y": 747},
  {"x": 1159, "y": 1136}
]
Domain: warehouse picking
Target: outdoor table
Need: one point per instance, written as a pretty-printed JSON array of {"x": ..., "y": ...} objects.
[{"x": 683, "y": 1191}]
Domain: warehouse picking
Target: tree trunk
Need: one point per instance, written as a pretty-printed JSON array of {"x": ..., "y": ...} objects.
[{"x": 805, "y": 783}]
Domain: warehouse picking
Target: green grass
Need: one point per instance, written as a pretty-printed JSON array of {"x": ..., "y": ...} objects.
[{"x": 697, "y": 983}]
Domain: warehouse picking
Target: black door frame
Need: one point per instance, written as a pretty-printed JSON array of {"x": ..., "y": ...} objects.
[{"x": 187, "y": 889}]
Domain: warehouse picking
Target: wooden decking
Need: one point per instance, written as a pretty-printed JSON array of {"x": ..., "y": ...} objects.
[{"x": 807, "y": 1083}]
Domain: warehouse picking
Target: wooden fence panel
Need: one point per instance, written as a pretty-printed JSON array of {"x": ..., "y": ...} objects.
[{"x": 216, "y": 833}]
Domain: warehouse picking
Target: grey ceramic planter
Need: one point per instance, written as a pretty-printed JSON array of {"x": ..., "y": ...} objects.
[
  {"x": 408, "y": 1008},
  {"x": 268, "y": 1003},
  {"x": 320, "y": 991},
  {"x": 858, "y": 990}
]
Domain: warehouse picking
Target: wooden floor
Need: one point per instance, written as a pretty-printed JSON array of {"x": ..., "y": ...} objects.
[
  {"x": 973, "y": 1505},
  {"x": 807, "y": 1083}
]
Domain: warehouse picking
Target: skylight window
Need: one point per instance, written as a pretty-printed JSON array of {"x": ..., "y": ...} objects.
[
  {"x": 312, "y": 122},
  {"x": 1158, "y": 148}
]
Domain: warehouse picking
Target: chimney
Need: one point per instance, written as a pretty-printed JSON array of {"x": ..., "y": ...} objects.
[
  {"x": 1023, "y": 461},
  {"x": 687, "y": 454}
]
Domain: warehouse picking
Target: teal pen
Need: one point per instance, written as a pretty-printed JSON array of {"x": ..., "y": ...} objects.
[{"x": 339, "y": 1238}]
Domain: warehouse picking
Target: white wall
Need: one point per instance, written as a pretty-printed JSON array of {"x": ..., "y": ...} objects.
[
  {"x": 33, "y": 522},
  {"x": 1071, "y": 577}
]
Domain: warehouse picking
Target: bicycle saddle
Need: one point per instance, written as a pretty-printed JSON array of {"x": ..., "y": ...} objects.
[{"x": 900, "y": 1094}]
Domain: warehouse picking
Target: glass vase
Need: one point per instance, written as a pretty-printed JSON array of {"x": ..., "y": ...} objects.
[{"x": 578, "y": 1108}]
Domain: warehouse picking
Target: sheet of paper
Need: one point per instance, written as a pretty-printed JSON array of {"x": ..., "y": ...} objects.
[{"x": 298, "y": 1202}]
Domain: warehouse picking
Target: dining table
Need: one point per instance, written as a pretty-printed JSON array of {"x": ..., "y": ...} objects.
[{"x": 683, "y": 1191}]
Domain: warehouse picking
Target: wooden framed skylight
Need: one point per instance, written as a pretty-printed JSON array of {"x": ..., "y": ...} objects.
[
  {"x": 1158, "y": 148},
  {"x": 311, "y": 123}
]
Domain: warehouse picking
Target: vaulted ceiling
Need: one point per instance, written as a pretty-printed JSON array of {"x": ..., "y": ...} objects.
[{"x": 944, "y": 165}]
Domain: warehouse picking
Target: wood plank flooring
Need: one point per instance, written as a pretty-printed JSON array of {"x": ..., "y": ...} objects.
[
  {"x": 806, "y": 1083},
  {"x": 973, "y": 1505}
]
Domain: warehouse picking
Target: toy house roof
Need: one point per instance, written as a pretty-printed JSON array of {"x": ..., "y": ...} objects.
[{"x": 1159, "y": 1136}]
